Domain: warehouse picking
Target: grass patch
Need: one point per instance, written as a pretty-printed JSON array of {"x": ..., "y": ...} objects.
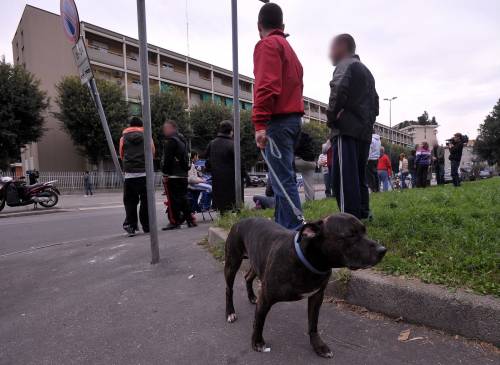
[
  {"x": 217, "y": 249},
  {"x": 440, "y": 235}
]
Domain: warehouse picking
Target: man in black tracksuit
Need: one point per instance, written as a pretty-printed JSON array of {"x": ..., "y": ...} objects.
[
  {"x": 134, "y": 167},
  {"x": 456, "y": 148},
  {"x": 352, "y": 110},
  {"x": 176, "y": 164}
]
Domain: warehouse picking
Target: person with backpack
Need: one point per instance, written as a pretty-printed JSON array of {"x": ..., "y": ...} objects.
[
  {"x": 423, "y": 160},
  {"x": 305, "y": 163},
  {"x": 175, "y": 167},
  {"x": 134, "y": 168},
  {"x": 220, "y": 162}
]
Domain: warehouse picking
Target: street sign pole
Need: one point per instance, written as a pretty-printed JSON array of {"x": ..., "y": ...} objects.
[
  {"x": 97, "y": 101},
  {"x": 146, "y": 116},
  {"x": 236, "y": 106},
  {"x": 71, "y": 26}
]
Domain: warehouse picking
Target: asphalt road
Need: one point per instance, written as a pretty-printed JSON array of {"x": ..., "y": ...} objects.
[{"x": 86, "y": 294}]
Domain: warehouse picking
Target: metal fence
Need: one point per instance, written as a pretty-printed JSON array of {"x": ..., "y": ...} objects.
[{"x": 72, "y": 180}]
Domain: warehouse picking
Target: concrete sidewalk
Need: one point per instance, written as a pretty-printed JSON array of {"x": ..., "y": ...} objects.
[{"x": 101, "y": 302}]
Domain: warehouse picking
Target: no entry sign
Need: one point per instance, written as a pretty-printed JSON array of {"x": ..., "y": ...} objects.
[{"x": 70, "y": 20}]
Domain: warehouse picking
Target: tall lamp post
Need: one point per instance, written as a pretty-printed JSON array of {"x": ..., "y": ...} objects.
[{"x": 390, "y": 100}]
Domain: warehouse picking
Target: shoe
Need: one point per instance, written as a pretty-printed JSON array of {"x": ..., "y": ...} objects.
[
  {"x": 130, "y": 231},
  {"x": 192, "y": 224},
  {"x": 171, "y": 227}
]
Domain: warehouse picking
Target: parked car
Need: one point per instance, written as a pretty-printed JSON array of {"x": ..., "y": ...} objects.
[
  {"x": 255, "y": 181},
  {"x": 485, "y": 174}
]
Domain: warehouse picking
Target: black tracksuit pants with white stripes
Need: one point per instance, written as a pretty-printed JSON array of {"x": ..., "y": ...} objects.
[{"x": 350, "y": 157}]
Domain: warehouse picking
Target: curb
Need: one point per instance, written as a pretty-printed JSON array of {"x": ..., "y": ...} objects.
[
  {"x": 458, "y": 312},
  {"x": 33, "y": 212}
]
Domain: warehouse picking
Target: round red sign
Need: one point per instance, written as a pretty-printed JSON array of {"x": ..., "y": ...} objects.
[{"x": 70, "y": 20}]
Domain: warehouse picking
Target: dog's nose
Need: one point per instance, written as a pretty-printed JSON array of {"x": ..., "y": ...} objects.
[{"x": 381, "y": 250}]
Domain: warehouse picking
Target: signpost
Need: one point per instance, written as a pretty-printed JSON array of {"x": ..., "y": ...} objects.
[
  {"x": 236, "y": 106},
  {"x": 71, "y": 25},
  {"x": 146, "y": 116}
]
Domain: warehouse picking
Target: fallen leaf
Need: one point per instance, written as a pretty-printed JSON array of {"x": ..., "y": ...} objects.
[
  {"x": 404, "y": 335},
  {"x": 191, "y": 276},
  {"x": 416, "y": 338}
]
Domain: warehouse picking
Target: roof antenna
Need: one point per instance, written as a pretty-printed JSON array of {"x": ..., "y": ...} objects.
[{"x": 187, "y": 28}]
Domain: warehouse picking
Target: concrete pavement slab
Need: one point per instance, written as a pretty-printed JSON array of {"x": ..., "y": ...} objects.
[{"x": 99, "y": 301}]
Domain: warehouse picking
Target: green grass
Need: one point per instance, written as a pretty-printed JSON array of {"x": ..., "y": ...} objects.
[{"x": 441, "y": 235}]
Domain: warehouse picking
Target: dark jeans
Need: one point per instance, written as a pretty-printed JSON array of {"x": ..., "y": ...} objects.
[
  {"x": 372, "y": 176},
  {"x": 404, "y": 175},
  {"x": 284, "y": 131},
  {"x": 134, "y": 191},
  {"x": 88, "y": 189},
  {"x": 349, "y": 166},
  {"x": 413, "y": 174},
  {"x": 422, "y": 171},
  {"x": 454, "y": 172},
  {"x": 328, "y": 181},
  {"x": 439, "y": 170},
  {"x": 179, "y": 209}
]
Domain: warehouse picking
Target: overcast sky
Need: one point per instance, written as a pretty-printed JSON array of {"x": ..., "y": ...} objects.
[{"x": 442, "y": 56}]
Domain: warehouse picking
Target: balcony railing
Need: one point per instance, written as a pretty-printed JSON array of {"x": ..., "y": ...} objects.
[{"x": 105, "y": 56}]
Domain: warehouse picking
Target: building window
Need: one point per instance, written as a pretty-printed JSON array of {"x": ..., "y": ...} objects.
[
  {"x": 204, "y": 74},
  {"x": 167, "y": 66}
]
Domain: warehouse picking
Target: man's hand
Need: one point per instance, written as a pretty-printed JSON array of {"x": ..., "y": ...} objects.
[{"x": 261, "y": 139}]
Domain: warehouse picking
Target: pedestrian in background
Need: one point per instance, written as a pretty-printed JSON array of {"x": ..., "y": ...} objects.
[
  {"x": 438, "y": 162},
  {"x": 220, "y": 162},
  {"x": 456, "y": 149},
  {"x": 87, "y": 184},
  {"x": 371, "y": 167},
  {"x": 384, "y": 169},
  {"x": 403, "y": 170},
  {"x": 352, "y": 110},
  {"x": 278, "y": 108},
  {"x": 422, "y": 163},
  {"x": 327, "y": 149},
  {"x": 412, "y": 169},
  {"x": 305, "y": 163},
  {"x": 134, "y": 185},
  {"x": 322, "y": 165},
  {"x": 176, "y": 164}
]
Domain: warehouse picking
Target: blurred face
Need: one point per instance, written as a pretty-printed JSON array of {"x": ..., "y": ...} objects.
[
  {"x": 168, "y": 129},
  {"x": 338, "y": 51}
]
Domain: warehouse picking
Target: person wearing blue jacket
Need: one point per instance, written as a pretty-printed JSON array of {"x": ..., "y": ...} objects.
[{"x": 423, "y": 160}]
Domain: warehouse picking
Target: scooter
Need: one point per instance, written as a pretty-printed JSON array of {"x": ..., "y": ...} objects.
[{"x": 17, "y": 193}]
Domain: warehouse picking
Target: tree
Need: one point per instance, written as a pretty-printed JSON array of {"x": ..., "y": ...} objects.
[
  {"x": 78, "y": 115},
  {"x": 168, "y": 105},
  {"x": 22, "y": 105},
  {"x": 319, "y": 133},
  {"x": 487, "y": 144},
  {"x": 205, "y": 119},
  {"x": 421, "y": 120}
]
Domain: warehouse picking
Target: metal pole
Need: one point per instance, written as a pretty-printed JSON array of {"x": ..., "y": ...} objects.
[
  {"x": 236, "y": 106},
  {"x": 97, "y": 100},
  {"x": 146, "y": 116}
]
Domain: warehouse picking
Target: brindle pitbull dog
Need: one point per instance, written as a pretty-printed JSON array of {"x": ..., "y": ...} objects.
[{"x": 292, "y": 266}]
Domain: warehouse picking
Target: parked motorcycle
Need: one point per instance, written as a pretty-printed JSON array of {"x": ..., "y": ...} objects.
[{"x": 17, "y": 193}]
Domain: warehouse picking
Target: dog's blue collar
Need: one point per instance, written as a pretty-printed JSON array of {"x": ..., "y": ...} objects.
[{"x": 303, "y": 259}]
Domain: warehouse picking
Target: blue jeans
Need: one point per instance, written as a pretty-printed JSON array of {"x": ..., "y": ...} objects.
[
  {"x": 404, "y": 175},
  {"x": 284, "y": 131},
  {"x": 384, "y": 178}
]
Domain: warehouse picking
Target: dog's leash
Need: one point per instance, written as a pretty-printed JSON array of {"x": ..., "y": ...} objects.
[{"x": 274, "y": 150}]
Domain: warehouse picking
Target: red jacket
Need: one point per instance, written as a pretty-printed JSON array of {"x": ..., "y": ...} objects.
[
  {"x": 384, "y": 163},
  {"x": 278, "y": 79}
]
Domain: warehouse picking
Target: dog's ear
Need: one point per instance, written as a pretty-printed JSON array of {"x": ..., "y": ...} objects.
[{"x": 311, "y": 230}]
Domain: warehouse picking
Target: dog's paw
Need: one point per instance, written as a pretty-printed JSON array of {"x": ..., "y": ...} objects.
[
  {"x": 324, "y": 351},
  {"x": 231, "y": 318},
  {"x": 261, "y": 347}
]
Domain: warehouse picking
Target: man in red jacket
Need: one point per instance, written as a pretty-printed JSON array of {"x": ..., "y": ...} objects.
[{"x": 278, "y": 107}]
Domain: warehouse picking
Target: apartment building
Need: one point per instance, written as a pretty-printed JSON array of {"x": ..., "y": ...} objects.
[
  {"x": 40, "y": 46},
  {"x": 421, "y": 133}
]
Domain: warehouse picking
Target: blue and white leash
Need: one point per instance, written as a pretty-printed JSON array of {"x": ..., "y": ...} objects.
[
  {"x": 303, "y": 259},
  {"x": 274, "y": 150}
]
